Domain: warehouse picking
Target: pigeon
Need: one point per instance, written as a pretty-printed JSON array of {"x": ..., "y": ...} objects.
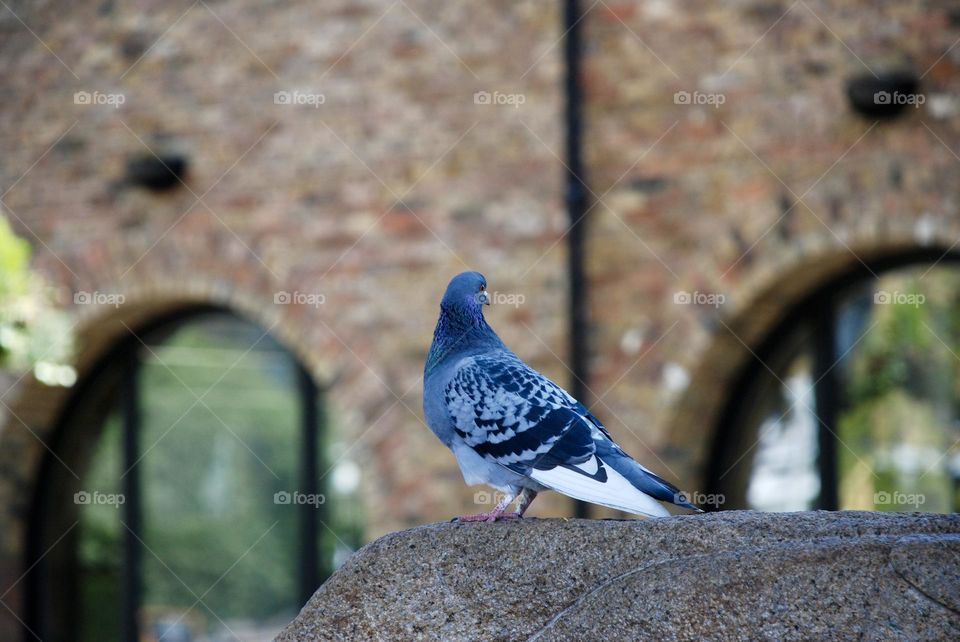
[{"x": 513, "y": 429}]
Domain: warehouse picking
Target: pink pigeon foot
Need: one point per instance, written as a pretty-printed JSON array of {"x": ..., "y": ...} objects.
[
  {"x": 489, "y": 516},
  {"x": 495, "y": 514}
]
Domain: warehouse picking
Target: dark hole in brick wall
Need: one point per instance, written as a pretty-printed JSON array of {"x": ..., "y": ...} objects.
[
  {"x": 70, "y": 145},
  {"x": 885, "y": 95},
  {"x": 766, "y": 12},
  {"x": 953, "y": 17},
  {"x": 135, "y": 44},
  {"x": 156, "y": 173},
  {"x": 785, "y": 225},
  {"x": 896, "y": 175},
  {"x": 816, "y": 67},
  {"x": 649, "y": 184}
]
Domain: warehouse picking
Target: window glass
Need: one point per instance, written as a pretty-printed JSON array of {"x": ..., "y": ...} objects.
[
  {"x": 784, "y": 474},
  {"x": 898, "y": 430},
  {"x": 220, "y": 437},
  {"x": 224, "y": 507},
  {"x": 893, "y": 419},
  {"x": 99, "y": 532}
]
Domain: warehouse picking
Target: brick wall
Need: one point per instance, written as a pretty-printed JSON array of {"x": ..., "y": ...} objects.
[
  {"x": 763, "y": 191},
  {"x": 399, "y": 179}
]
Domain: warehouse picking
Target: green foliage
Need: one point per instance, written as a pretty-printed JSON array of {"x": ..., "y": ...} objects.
[
  {"x": 14, "y": 262},
  {"x": 33, "y": 333},
  {"x": 899, "y": 424}
]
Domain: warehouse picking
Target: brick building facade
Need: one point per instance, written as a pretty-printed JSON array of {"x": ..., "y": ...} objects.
[{"x": 723, "y": 158}]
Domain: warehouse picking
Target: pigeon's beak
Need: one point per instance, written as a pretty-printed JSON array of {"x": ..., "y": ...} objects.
[{"x": 483, "y": 298}]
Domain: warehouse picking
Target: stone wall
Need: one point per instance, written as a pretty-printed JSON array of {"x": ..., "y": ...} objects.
[{"x": 735, "y": 575}]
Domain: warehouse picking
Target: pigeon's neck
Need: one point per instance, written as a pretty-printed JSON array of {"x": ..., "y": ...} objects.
[{"x": 460, "y": 332}]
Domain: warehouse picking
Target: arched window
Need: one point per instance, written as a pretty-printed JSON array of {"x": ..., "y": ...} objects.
[
  {"x": 853, "y": 402},
  {"x": 183, "y": 497}
]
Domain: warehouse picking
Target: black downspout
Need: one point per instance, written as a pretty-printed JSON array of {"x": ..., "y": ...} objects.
[{"x": 576, "y": 201}]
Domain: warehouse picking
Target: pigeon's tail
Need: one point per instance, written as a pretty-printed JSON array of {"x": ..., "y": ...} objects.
[
  {"x": 642, "y": 479},
  {"x": 597, "y": 482}
]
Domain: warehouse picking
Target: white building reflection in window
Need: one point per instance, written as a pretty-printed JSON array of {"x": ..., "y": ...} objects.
[{"x": 784, "y": 475}]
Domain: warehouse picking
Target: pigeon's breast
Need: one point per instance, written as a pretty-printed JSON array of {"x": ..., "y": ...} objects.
[{"x": 435, "y": 409}]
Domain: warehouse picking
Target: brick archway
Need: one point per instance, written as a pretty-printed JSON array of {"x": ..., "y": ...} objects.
[
  {"x": 32, "y": 411},
  {"x": 764, "y": 304}
]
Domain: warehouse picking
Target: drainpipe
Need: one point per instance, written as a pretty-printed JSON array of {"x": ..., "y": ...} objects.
[{"x": 576, "y": 202}]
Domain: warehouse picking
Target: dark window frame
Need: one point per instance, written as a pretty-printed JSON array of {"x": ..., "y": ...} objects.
[
  {"x": 122, "y": 359},
  {"x": 819, "y": 311}
]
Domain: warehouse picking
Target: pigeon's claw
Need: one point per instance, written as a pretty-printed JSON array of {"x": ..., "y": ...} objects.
[
  {"x": 489, "y": 516},
  {"x": 495, "y": 514}
]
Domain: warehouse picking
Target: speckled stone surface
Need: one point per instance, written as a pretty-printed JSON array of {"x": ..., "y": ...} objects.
[{"x": 736, "y": 575}]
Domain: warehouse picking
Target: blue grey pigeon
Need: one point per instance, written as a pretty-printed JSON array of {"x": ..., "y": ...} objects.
[{"x": 515, "y": 430}]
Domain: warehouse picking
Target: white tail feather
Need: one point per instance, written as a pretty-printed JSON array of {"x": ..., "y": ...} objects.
[{"x": 617, "y": 492}]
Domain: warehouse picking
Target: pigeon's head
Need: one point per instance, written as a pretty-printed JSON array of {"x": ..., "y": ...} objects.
[{"x": 467, "y": 292}]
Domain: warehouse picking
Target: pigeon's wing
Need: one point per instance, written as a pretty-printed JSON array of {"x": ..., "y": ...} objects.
[{"x": 515, "y": 417}]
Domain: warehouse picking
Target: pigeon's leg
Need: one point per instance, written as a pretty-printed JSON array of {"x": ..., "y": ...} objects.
[
  {"x": 493, "y": 514},
  {"x": 526, "y": 498}
]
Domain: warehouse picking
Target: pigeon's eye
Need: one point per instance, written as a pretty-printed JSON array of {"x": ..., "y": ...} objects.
[{"x": 482, "y": 287}]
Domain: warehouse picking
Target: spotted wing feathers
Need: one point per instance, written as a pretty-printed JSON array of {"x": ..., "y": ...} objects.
[{"x": 513, "y": 416}]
